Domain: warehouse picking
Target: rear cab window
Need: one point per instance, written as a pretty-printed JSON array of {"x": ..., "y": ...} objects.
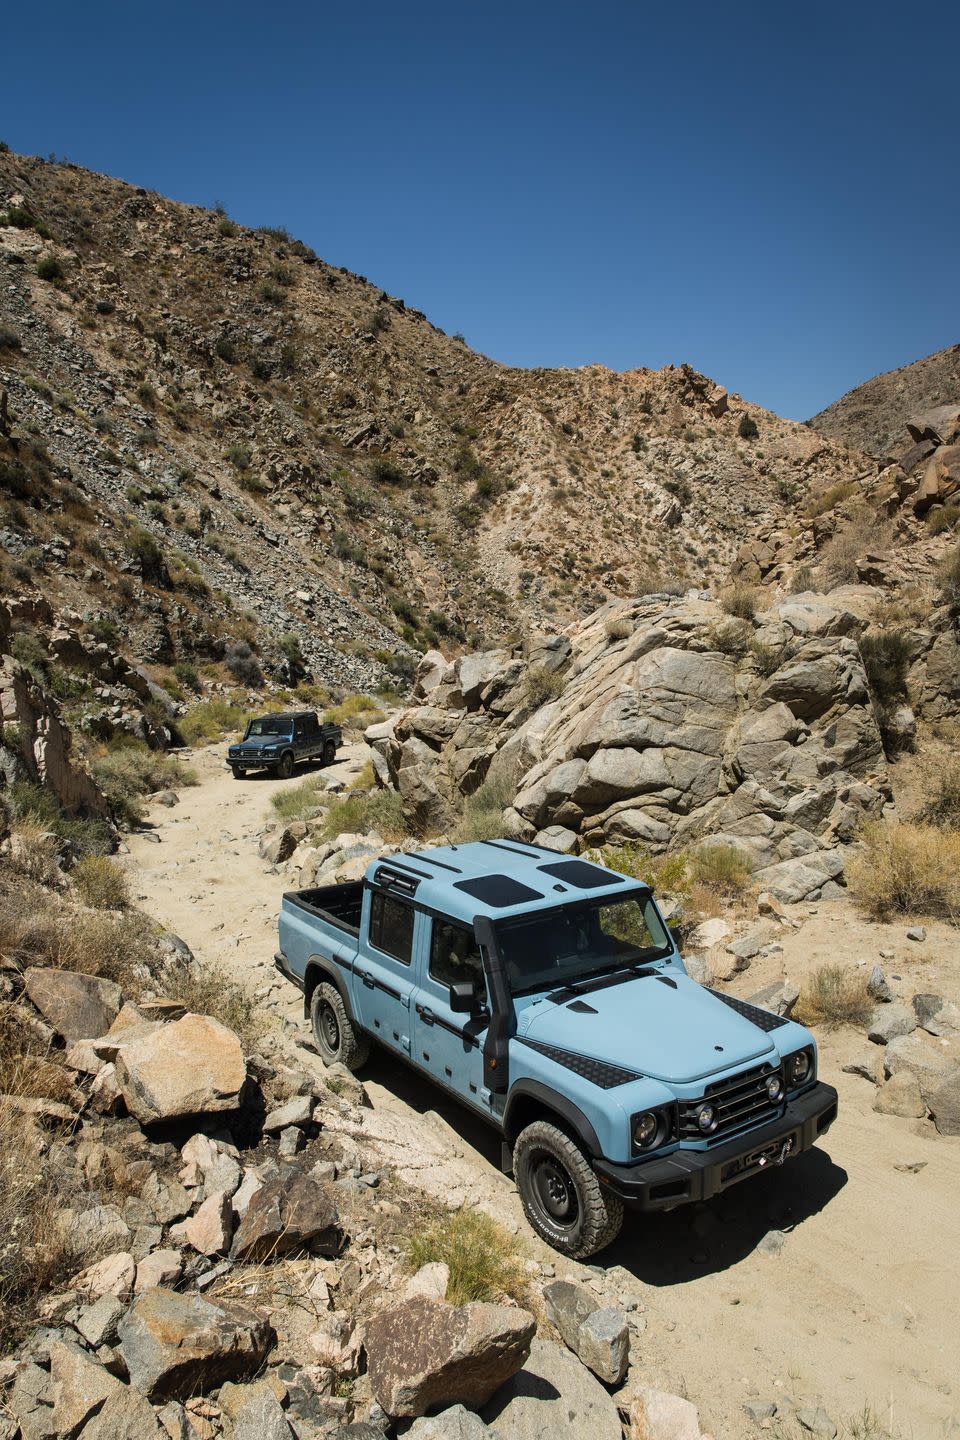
[{"x": 391, "y": 926}]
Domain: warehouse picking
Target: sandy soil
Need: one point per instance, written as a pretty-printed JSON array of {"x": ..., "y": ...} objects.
[{"x": 834, "y": 1279}]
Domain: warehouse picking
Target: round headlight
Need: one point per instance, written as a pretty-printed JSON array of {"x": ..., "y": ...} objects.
[
  {"x": 645, "y": 1130},
  {"x": 774, "y": 1087},
  {"x": 707, "y": 1119},
  {"x": 799, "y": 1067}
]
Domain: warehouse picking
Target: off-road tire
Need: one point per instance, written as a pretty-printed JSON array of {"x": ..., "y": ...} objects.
[
  {"x": 584, "y": 1218},
  {"x": 238, "y": 774},
  {"x": 329, "y": 753},
  {"x": 335, "y": 1035},
  {"x": 285, "y": 768}
]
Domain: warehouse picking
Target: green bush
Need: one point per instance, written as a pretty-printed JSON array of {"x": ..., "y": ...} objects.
[
  {"x": 212, "y": 719},
  {"x": 301, "y": 802},
  {"x": 9, "y": 339},
  {"x": 146, "y": 551},
  {"x": 351, "y": 709},
  {"x": 834, "y": 995},
  {"x": 886, "y": 659},
  {"x": 240, "y": 456},
  {"x": 943, "y": 517},
  {"x": 721, "y": 868},
  {"x": 388, "y": 473},
  {"x": 747, "y": 429},
  {"x": 49, "y": 268},
  {"x": 130, "y": 770}
]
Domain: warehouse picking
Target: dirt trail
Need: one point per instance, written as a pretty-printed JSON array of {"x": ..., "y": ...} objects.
[{"x": 834, "y": 1279}]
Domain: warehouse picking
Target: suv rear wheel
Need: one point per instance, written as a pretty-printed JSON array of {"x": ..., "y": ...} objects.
[
  {"x": 329, "y": 753},
  {"x": 337, "y": 1039},
  {"x": 562, "y": 1197}
]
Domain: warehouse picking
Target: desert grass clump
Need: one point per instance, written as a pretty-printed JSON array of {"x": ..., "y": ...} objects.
[
  {"x": 721, "y": 868},
  {"x": 740, "y": 601},
  {"x": 618, "y": 629},
  {"x": 543, "y": 685},
  {"x": 865, "y": 531},
  {"x": 483, "y": 811},
  {"x": 834, "y": 995},
  {"x": 34, "y": 851},
  {"x": 483, "y": 1258},
  {"x": 356, "y": 813},
  {"x": 100, "y": 882},
  {"x": 907, "y": 869},
  {"x": 359, "y": 710},
  {"x": 210, "y": 720},
  {"x": 301, "y": 802}
]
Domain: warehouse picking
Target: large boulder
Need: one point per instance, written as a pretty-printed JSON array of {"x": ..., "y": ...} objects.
[
  {"x": 553, "y": 1394},
  {"x": 77, "y": 1006},
  {"x": 424, "y": 1353},
  {"x": 176, "y": 1345},
  {"x": 293, "y": 1212},
  {"x": 194, "y": 1066},
  {"x": 658, "y": 1415},
  {"x": 125, "y": 1416},
  {"x": 80, "y": 1387}
]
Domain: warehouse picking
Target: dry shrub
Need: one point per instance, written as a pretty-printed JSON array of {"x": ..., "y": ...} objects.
[
  {"x": 907, "y": 869},
  {"x": 33, "y": 852},
  {"x": 36, "y": 1253},
  {"x": 834, "y": 995},
  {"x": 940, "y": 801},
  {"x": 484, "y": 1259},
  {"x": 356, "y": 813},
  {"x": 132, "y": 770},
  {"x": 863, "y": 532},
  {"x": 543, "y": 685},
  {"x": 301, "y": 802},
  {"x": 721, "y": 868},
  {"x": 620, "y": 629},
  {"x": 483, "y": 812},
  {"x": 740, "y": 601},
  {"x": 208, "y": 990},
  {"x": 27, "y": 1066},
  {"x": 101, "y": 883}
]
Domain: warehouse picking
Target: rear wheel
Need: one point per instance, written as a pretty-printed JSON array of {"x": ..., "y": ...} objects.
[
  {"x": 562, "y": 1197},
  {"x": 336, "y": 1037},
  {"x": 285, "y": 768},
  {"x": 329, "y": 753}
]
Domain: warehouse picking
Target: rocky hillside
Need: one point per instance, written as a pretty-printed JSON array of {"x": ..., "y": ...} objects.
[
  {"x": 873, "y": 416},
  {"x": 209, "y": 434}
]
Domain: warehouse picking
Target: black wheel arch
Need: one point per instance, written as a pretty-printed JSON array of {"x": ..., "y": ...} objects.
[
  {"x": 530, "y": 1100},
  {"x": 318, "y": 970}
]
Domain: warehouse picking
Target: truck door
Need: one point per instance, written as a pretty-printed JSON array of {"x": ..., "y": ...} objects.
[
  {"x": 449, "y": 1044},
  {"x": 384, "y": 971}
]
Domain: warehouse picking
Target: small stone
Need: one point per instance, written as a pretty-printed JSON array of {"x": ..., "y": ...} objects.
[
  {"x": 291, "y": 1142},
  {"x": 297, "y": 1111},
  {"x": 918, "y": 933},
  {"x": 889, "y": 1022},
  {"x": 761, "y": 1409},
  {"x": 160, "y": 1267},
  {"x": 865, "y": 1066},
  {"x": 98, "y": 1322},
  {"x": 900, "y": 1096},
  {"x": 80, "y": 1387},
  {"x": 877, "y": 986},
  {"x": 430, "y": 1280},
  {"x": 111, "y": 1276},
  {"x": 909, "y": 1167},
  {"x": 772, "y": 1243},
  {"x": 817, "y": 1421},
  {"x": 210, "y": 1230}
]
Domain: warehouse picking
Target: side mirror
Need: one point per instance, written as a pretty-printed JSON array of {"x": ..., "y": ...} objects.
[{"x": 463, "y": 997}]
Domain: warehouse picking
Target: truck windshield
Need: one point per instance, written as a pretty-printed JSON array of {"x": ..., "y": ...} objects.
[
  {"x": 563, "y": 946},
  {"x": 269, "y": 726}
]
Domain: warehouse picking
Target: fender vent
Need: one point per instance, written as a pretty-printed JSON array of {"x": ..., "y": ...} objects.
[
  {"x": 598, "y": 1072},
  {"x": 761, "y": 1018}
]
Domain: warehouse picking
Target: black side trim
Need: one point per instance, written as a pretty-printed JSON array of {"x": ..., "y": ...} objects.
[
  {"x": 559, "y": 1104},
  {"x": 761, "y": 1018},
  {"x": 470, "y": 1041},
  {"x": 280, "y": 961},
  {"x": 598, "y": 1072}
]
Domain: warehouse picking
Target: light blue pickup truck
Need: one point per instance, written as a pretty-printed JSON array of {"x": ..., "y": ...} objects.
[{"x": 547, "y": 994}]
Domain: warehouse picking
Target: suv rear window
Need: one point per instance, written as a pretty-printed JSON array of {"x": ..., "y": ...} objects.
[{"x": 391, "y": 927}]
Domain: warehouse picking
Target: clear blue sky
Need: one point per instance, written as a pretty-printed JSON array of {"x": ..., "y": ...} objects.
[{"x": 768, "y": 191}]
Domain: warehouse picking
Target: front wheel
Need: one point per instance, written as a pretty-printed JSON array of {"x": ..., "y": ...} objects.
[
  {"x": 238, "y": 774},
  {"x": 285, "y": 768},
  {"x": 337, "y": 1039},
  {"x": 562, "y": 1197}
]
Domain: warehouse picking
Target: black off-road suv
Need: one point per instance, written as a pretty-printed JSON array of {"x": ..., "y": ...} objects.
[{"x": 277, "y": 742}]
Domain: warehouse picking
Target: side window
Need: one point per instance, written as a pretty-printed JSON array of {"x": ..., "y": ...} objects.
[
  {"x": 391, "y": 926},
  {"x": 454, "y": 955}
]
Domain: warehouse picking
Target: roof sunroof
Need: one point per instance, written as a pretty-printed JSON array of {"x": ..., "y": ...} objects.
[
  {"x": 581, "y": 874},
  {"x": 498, "y": 890}
]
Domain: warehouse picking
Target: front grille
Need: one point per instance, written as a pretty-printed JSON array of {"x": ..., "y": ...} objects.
[{"x": 741, "y": 1100}]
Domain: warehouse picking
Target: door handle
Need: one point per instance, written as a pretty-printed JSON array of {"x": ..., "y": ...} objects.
[
  {"x": 367, "y": 979},
  {"x": 426, "y": 1015}
]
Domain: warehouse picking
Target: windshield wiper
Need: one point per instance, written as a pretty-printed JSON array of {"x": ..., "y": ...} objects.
[{"x": 599, "y": 979}]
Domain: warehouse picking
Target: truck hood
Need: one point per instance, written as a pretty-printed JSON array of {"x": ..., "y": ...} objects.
[
  {"x": 665, "y": 1026},
  {"x": 255, "y": 746}
]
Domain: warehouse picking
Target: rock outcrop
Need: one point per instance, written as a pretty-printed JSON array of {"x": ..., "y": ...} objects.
[{"x": 662, "y": 721}]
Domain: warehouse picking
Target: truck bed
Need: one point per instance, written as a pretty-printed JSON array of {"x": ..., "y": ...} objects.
[{"x": 338, "y": 905}]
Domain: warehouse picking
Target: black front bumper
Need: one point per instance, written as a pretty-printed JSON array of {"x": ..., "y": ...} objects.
[
  {"x": 253, "y": 762},
  {"x": 689, "y": 1175}
]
